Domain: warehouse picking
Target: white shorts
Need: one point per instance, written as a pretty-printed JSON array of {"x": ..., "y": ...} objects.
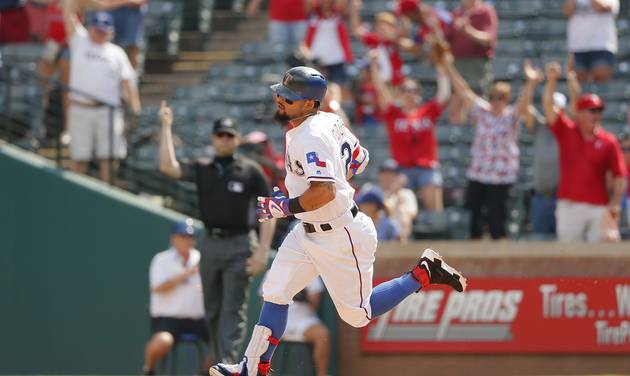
[
  {"x": 89, "y": 133},
  {"x": 578, "y": 221},
  {"x": 301, "y": 318},
  {"x": 343, "y": 257}
]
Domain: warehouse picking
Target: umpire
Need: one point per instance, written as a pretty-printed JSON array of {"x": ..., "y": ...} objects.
[{"x": 227, "y": 187}]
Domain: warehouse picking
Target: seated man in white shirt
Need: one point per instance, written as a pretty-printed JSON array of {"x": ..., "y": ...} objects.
[{"x": 176, "y": 297}]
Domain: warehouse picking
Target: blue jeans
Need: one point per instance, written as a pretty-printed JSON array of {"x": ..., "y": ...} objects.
[
  {"x": 290, "y": 34},
  {"x": 419, "y": 177},
  {"x": 128, "y": 25},
  {"x": 542, "y": 214}
]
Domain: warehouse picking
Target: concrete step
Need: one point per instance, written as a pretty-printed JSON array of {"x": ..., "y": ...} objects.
[
  {"x": 170, "y": 79},
  {"x": 51, "y": 152},
  {"x": 156, "y": 99},
  {"x": 150, "y": 89},
  {"x": 207, "y": 55},
  {"x": 199, "y": 67}
]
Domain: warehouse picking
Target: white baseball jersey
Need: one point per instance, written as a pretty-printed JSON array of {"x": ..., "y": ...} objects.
[{"x": 320, "y": 149}]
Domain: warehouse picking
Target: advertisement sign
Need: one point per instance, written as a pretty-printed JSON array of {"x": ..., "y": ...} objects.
[{"x": 511, "y": 315}]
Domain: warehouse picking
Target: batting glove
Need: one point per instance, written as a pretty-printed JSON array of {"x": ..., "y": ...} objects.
[
  {"x": 360, "y": 159},
  {"x": 276, "y": 206}
]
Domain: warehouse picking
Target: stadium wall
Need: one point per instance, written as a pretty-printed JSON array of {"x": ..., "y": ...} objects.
[
  {"x": 554, "y": 263},
  {"x": 73, "y": 270}
]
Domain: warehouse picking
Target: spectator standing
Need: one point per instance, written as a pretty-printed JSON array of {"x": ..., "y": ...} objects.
[
  {"x": 411, "y": 132},
  {"x": 546, "y": 164},
  {"x": 495, "y": 151},
  {"x": 227, "y": 188},
  {"x": 176, "y": 298},
  {"x": 129, "y": 24},
  {"x": 431, "y": 24},
  {"x": 36, "y": 10},
  {"x": 371, "y": 204},
  {"x": 366, "y": 109},
  {"x": 473, "y": 39},
  {"x": 546, "y": 174},
  {"x": 287, "y": 20},
  {"x": 14, "y": 24},
  {"x": 592, "y": 37},
  {"x": 386, "y": 39},
  {"x": 327, "y": 40},
  {"x": 100, "y": 75},
  {"x": 587, "y": 153}
]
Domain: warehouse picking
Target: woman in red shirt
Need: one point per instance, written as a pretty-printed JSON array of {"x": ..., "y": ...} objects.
[
  {"x": 327, "y": 40},
  {"x": 410, "y": 127}
]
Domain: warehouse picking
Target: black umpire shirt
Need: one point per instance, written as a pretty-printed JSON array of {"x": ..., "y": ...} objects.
[{"x": 227, "y": 188}]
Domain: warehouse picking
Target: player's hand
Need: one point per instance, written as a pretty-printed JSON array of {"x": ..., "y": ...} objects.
[
  {"x": 276, "y": 206},
  {"x": 373, "y": 54},
  {"x": 531, "y": 73},
  {"x": 461, "y": 23},
  {"x": 360, "y": 158},
  {"x": 553, "y": 70},
  {"x": 166, "y": 114},
  {"x": 615, "y": 211}
]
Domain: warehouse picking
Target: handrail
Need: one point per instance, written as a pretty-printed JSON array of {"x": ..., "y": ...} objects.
[{"x": 182, "y": 197}]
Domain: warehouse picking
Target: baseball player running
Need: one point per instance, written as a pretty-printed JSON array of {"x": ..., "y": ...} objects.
[{"x": 334, "y": 239}]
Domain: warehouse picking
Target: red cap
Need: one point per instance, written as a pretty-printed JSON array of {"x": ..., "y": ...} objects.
[
  {"x": 406, "y": 6},
  {"x": 590, "y": 101}
]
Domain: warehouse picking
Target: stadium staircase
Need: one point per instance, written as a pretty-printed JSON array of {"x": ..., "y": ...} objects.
[{"x": 198, "y": 51}]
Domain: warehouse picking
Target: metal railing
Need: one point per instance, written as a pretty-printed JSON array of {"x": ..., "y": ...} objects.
[
  {"x": 30, "y": 125},
  {"x": 34, "y": 123}
]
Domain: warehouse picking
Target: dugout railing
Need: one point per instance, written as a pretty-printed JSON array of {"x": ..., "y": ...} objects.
[{"x": 32, "y": 118}]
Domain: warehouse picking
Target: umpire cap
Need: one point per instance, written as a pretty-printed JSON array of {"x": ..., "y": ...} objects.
[
  {"x": 301, "y": 83},
  {"x": 225, "y": 125}
]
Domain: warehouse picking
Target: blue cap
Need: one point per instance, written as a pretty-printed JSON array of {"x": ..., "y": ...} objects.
[
  {"x": 302, "y": 83},
  {"x": 389, "y": 165},
  {"x": 103, "y": 21},
  {"x": 186, "y": 227},
  {"x": 373, "y": 196}
]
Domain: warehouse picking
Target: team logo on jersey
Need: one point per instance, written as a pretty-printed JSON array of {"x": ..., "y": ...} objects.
[{"x": 312, "y": 158}]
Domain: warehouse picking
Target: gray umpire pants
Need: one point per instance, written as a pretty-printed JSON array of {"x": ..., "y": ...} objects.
[{"x": 225, "y": 285}]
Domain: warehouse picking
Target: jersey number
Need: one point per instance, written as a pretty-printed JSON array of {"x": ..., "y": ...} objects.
[{"x": 346, "y": 152}]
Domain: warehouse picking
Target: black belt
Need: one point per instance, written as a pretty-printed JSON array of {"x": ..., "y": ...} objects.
[
  {"x": 87, "y": 104},
  {"x": 310, "y": 228},
  {"x": 546, "y": 193},
  {"x": 222, "y": 233}
]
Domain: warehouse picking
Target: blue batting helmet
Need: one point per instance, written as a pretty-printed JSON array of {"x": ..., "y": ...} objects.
[{"x": 301, "y": 83}]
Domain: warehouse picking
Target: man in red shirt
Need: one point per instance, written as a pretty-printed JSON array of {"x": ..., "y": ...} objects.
[
  {"x": 587, "y": 154},
  {"x": 410, "y": 128},
  {"x": 287, "y": 20}
]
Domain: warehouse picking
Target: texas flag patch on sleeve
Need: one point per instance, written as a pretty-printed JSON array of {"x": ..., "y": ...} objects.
[{"x": 312, "y": 158}]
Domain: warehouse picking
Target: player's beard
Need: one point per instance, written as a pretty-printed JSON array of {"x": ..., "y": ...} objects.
[{"x": 281, "y": 118}]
